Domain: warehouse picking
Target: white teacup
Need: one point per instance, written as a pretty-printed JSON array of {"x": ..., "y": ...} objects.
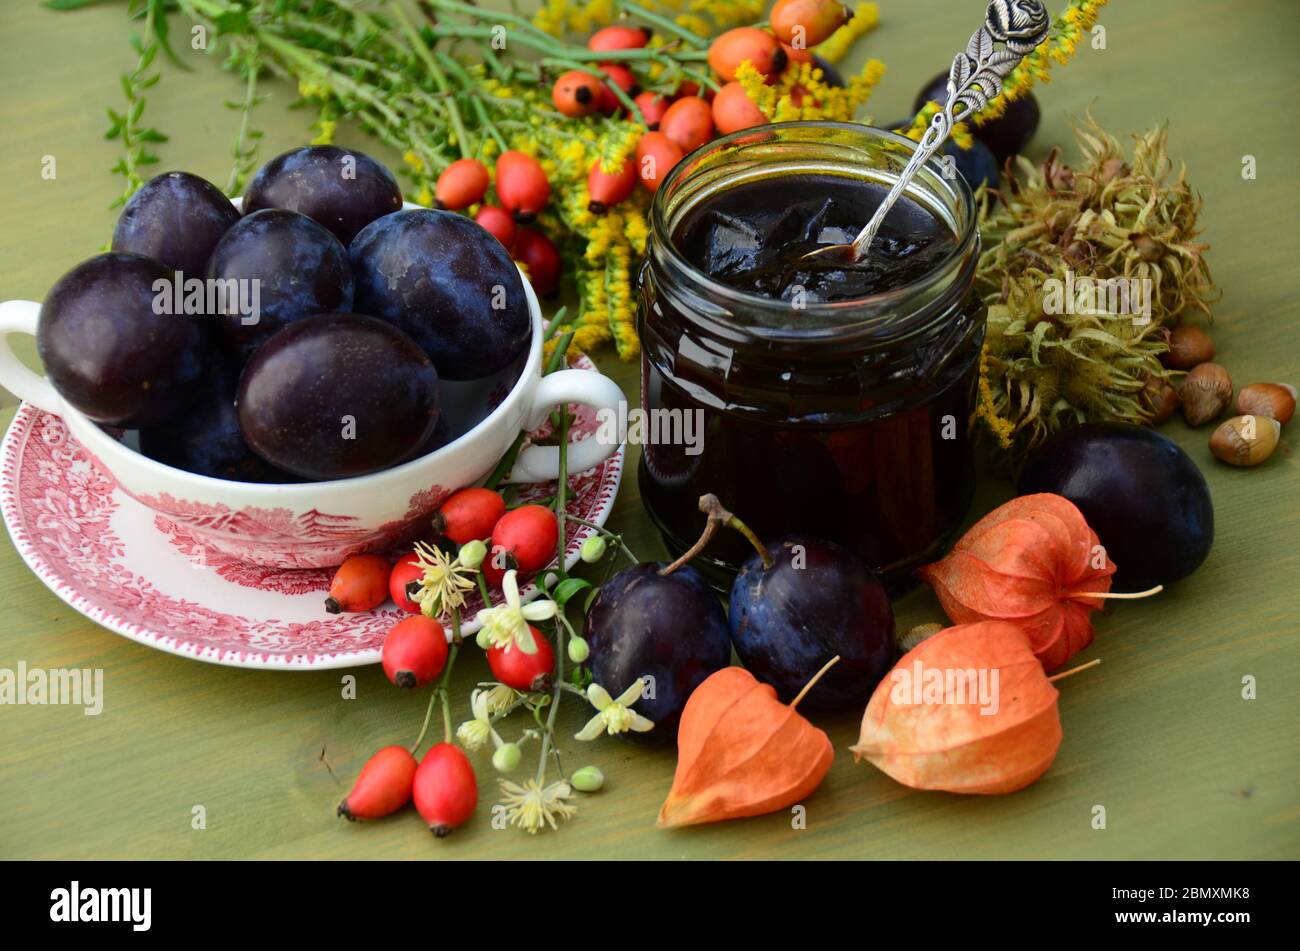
[{"x": 319, "y": 524}]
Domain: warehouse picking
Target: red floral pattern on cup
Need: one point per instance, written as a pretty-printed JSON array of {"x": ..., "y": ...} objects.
[{"x": 63, "y": 512}]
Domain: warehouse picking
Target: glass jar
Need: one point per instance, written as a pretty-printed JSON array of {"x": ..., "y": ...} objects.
[{"x": 848, "y": 420}]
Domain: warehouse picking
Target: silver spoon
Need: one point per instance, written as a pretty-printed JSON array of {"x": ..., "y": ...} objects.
[{"x": 975, "y": 78}]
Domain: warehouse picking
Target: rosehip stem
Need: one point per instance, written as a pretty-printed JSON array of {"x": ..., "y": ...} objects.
[
  {"x": 440, "y": 690},
  {"x": 1117, "y": 595},
  {"x": 1072, "y": 671},
  {"x": 717, "y": 517},
  {"x": 813, "y": 683}
]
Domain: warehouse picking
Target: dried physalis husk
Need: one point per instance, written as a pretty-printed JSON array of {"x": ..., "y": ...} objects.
[
  {"x": 969, "y": 710},
  {"x": 742, "y": 752},
  {"x": 1034, "y": 563}
]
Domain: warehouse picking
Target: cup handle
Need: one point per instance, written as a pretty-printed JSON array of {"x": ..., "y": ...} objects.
[
  {"x": 542, "y": 463},
  {"x": 20, "y": 317}
]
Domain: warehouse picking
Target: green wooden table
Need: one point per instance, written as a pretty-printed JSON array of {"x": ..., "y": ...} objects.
[{"x": 1159, "y": 735}]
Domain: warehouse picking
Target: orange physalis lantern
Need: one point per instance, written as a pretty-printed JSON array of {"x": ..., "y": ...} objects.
[
  {"x": 1034, "y": 563},
  {"x": 742, "y": 752},
  {"x": 968, "y": 710}
]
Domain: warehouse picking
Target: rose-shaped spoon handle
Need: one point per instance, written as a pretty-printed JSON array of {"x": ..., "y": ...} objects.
[{"x": 975, "y": 79}]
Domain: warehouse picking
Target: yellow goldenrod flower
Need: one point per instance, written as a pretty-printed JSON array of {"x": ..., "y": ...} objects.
[{"x": 865, "y": 19}]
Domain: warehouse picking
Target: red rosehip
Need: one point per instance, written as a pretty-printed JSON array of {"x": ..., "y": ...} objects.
[
  {"x": 522, "y": 185},
  {"x": 522, "y": 671},
  {"x": 619, "y": 37},
  {"x": 529, "y": 533},
  {"x": 620, "y": 76},
  {"x": 688, "y": 123},
  {"x": 609, "y": 188},
  {"x": 577, "y": 94},
  {"x": 462, "y": 183},
  {"x": 445, "y": 789},
  {"x": 653, "y": 106},
  {"x": 359, "y": 584},
  {"x": 656, "y": 154},
  {"x": 404, "y": 582},
  {"x": 498, "y": 223},
  {"x": 414, "y": 651},
  {"x": 541, "y": 257},
  {"x": 469, "y": 514},
  {"x": 382, "y": 787}
]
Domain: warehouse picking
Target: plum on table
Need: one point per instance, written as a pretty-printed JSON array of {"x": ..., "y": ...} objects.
[
  {"x": 803, "y": 602},
  {"x": 1007, "y": 135},
  {"x": 1144, "y": 497},
  {"x": 670, "y": 628},
  {"x": 111, "y": 353},
  {"x": 338, "y": 395}
]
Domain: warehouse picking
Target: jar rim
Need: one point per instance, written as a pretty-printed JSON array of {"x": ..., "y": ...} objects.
[{"x": 827, "y": 319}]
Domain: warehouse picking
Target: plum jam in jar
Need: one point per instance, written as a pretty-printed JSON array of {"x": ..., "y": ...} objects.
[{"x": 821, "y": 399}]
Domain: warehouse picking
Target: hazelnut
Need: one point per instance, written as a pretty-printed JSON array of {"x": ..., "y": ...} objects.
[
  {"x": 1245, "y": 440},
  {"x": 1161, "y": 398},
  {"x": 1189, "y": 346},
  {"x": 1206, "y": 393},
  {"x": 1274, "y": 400}
]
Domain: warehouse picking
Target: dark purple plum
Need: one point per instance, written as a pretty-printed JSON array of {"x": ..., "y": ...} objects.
[
  {"x": 338, "y": 188},
  {"x": 299, "y": 269},
  {"x": 177, "y": 219},
  {"x": 207, "y": 440},
  {"x": 449, "y": 284},
  {"x": 670, "y": 628},
  {"x": 1143, "y": 496},
  {"x": 814, "y": 601},
  {"x": 338, "y": 395},
  {"x": 1008, "y": 135},
  {"x": 977, "y": 164},
  {"x": 109, "y": 351},
  {"x": 440, "y": 436}
]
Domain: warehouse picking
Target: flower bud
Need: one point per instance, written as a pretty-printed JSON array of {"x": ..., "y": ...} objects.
[
  {"x": 506, "y": 757},
  {"x": 587, "y": 779},
  {"x": 472, "y": 553},
  {"x": 578, "y": 650},
  {"x": 593, "y": 549}
]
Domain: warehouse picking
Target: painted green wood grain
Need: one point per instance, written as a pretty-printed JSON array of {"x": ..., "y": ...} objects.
[{"x": 1158, "y": 735}]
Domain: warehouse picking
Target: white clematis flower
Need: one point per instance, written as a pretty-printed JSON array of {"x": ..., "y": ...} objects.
[
  {"x": 506, "y": 624},
  {"x": 615, "y": 716}
]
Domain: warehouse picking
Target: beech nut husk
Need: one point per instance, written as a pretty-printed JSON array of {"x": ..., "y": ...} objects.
[
  {"x": 1206, "y": 393},
  {"x": 1246, "y": 441},
  {"x": 1189, "y": 346},
  {"x": 1274, "y": 400}
]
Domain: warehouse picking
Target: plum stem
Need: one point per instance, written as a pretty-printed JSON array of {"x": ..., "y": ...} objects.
[
  {"x": 1072, "y": 671},
  {"x": 1117, "y": 595},
  {"x": 718, "y": 516},
  {"x": 813, "y": 683}
]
